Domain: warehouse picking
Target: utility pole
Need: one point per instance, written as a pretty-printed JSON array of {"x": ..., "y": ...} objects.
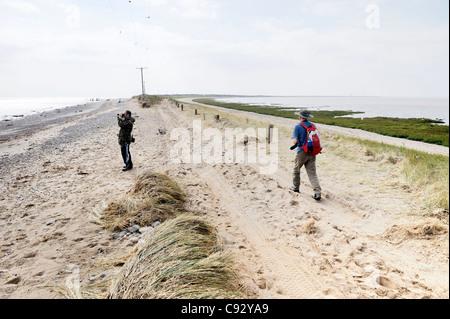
[{"x": 142, "y": 79}]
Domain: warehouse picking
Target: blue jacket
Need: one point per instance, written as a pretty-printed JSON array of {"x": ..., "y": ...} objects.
[{"x": 301, "y": 135}]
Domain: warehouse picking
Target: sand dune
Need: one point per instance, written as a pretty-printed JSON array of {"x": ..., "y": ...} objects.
[{"x": 359, "y": 242}]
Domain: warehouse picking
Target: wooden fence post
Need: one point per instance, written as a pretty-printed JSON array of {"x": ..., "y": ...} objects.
[{"x": 270, "y": 133}]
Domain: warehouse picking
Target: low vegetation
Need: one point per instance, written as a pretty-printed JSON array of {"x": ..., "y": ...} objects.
[
  {"x": 428, "y": 173},
  {"x": 148, "y": 101},
  {"x": 155, "y": 197},
  {"x": 182, "y": 259},
  {"x": 425, "y": 130}
]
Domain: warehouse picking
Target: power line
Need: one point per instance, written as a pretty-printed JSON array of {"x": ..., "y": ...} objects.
[{"x": 116, "y": 19}]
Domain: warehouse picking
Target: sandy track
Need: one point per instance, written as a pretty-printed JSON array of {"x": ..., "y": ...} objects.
[
  {"x": 343, "y": 256},
  {"x": 292, "y": 278}
]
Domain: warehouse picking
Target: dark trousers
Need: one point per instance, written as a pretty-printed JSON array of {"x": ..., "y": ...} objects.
[{"x": 126, "y": 155}]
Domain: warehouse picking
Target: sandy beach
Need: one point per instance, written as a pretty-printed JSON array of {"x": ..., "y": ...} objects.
[{"x": 357, "y": 243}]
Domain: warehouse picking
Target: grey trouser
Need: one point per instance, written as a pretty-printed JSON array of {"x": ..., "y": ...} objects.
[{"x": 309, "y": 162}]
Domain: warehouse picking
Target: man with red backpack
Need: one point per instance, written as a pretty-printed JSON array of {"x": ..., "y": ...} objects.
[{"x": 307, "y": 138}]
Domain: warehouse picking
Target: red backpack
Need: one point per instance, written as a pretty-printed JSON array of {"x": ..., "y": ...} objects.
[{"x": 313, "y": 145}]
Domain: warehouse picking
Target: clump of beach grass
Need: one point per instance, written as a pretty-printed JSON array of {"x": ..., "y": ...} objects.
[
  {"x": 182, "y": 259},
  {"x": 148, "y": 101},
  {"x": 155, "y": 197},
  {"x": 73, "y": 290}
]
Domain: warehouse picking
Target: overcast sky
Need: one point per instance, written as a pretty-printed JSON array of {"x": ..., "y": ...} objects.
[{"x": 285, "y": 47}]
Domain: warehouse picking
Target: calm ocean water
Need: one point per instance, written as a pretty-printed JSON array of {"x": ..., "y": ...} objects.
[
  {"x": 371, "y": 106},
  {"x": 10, "y": 107}
]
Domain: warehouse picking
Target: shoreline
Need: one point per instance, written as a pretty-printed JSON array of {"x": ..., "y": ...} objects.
[
  {"x": 37, "y": 122},
  {"x": 349, "y": 132}
]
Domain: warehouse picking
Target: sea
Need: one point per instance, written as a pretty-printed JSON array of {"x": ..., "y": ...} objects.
[
  {"x": 13, "y": 108},
  {"x": 430, "y": 108}
]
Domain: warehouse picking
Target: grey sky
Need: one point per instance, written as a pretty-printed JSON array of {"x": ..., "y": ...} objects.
[{"x": 286, "y": 47}]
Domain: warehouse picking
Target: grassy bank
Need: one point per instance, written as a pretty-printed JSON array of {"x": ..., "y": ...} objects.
[
  {"x": 427, "y": 174},
  {"x": 424, "y": 130}
]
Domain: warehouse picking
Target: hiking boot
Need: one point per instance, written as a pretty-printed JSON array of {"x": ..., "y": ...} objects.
[
  {"x": 317, "y": 197},
  {"x": 127, "y": 169},
  {"x": 295, "y": 190}
]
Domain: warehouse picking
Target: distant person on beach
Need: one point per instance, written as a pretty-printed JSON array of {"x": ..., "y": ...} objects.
[
  {"x": 126, "y": 123},
  {"x": 308, "y": 141}
]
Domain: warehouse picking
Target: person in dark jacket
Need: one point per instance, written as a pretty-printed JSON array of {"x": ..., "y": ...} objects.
[{"x": 126, "y": 123}]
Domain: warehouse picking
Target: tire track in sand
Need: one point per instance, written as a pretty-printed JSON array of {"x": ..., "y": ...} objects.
[{"x": 293, "y": 280}]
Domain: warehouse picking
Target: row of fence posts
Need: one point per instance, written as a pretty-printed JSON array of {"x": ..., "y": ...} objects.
[{"x": 217, "y": 119}]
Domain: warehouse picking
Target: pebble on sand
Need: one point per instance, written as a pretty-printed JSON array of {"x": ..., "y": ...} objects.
[
  {"x": 14, "y": 281},
  {"x": 145, "y": 230},
  {"x": 134, "y": 229},
  {"x": 156, "y": 224}
]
